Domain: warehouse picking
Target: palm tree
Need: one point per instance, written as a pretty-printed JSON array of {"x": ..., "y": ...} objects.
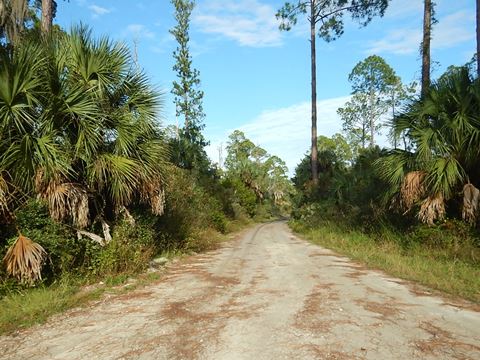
[
  {"x": 78, "y": 128},
  {"x": 444, "y": 131}
]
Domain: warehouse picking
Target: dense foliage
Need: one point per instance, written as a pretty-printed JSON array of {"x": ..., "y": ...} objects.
[
  {"x": 90, "y": 183},
  {"x": 426, "y": 193}
]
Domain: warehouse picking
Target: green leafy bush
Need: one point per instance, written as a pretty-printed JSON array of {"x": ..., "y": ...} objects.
[
  {"x": 65, "y": 251},
  {"x": 129, "y": 251},
  {"x": 219, "y": 221}
]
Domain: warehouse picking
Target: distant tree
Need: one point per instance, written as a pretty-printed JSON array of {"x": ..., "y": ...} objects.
[
  {"x": 337, "y": 144},
  {"x": 398, "y": 94},
  {"x": 258, "y": 171},
  {"x": 188, "y": 98},
  {"x": 245, "y": 161},
  {"x": 329, "y": 13},
  {"x": 355, "y": 117},
  {"x": 373, "y": 77},
  {"x": 279, "y": 186},
  {"x": 188, "y": 148}
]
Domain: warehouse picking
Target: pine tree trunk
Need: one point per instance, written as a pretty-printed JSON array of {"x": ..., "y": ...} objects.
[
  {"x": 47, "y": 16},
  {"x": 364, "y": 136},
  {"x": 478, "y": 38},
  {"x": 427, "y": 27},
  {"x": 372, "y": 118},
  {"x": 395, "y": 139},
  {"x": 314, "y": 94}
]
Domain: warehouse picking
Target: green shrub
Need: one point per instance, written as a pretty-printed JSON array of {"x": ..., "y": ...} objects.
[
  {"x": 242, "y": 195},
  {"x": 65, "y": 252},
  {"x": 130, "y": 250},
  {"x": 219, "y": 221}
]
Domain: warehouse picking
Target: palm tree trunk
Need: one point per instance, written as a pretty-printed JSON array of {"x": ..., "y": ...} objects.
[
  {"x": 47, "y": 16},
  {"x": 478, "y": 38},
  {"x": 427, "y": 28},
  {"x": 314, "y": 94}
]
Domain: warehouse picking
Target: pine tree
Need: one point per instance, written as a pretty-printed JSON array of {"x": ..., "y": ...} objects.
[
  {"x": 325, "y": 18},
  {"x": 188, "y": 96}
]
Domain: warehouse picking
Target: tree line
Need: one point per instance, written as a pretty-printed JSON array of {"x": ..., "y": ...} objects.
[
  {"x": 431, "y": 168},
  {"x": 90, "y": 181}
]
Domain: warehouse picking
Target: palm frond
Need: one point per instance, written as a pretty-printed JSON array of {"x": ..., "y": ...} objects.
[
  {"x": 412, "y": 189},
  {"x": 24, "y": 260},
  {"x": 471, "y": 203},
  {"x": 432, "y": 209}
]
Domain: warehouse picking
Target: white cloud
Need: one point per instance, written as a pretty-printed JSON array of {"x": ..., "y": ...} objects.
[
  {"x": 285, "y": 132},
  {"x": 398, "y": 41},
  {"x": 454, "y": 29},
  {"x": 248, "y": 22},
  {"x": 139, "y": 31},
  {"x": 404, "y": 8},
  {"x": 98, "y": 10},
  {"x": 163, "y": 44},
  {"x": 451, "y": 30}
]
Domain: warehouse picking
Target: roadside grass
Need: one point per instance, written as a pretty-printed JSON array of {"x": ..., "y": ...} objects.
[
  {"x": 22, "y": 308},
  {"x": 25, "y": 308},
  {"x": 435, "y": 267}
]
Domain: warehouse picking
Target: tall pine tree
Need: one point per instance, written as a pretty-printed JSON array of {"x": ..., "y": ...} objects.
[
  {"x": 325, "y": 17},
  {"x": 188, "y": 148}
]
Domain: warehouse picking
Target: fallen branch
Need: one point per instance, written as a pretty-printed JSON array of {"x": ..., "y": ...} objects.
[{"x": 98, "y": 239}]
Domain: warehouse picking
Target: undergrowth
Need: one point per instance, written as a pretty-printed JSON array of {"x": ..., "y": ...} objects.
[{"x": 448, "y": 261}]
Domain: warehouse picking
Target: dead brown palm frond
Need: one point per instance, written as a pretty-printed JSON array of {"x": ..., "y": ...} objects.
[
  {"x": 278, "y": 196},
  {"x": 412, "y": 189},
  {"x": 64, "y": 200},
  {"x": 3, "y": 196},
  {"x": 24, "y": 260},
  {"x": 157, "y": 202},
  {"x": 432, "y": 208},
  {"x": 78, "y": 204},
  {"x": 153, "y": 193},
  {"x": 127, "y": 216},
  {"x": 471, "y": 198}
]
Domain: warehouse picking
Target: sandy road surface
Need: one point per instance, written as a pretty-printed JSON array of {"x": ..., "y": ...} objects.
[{"x": 265, "y": 295}]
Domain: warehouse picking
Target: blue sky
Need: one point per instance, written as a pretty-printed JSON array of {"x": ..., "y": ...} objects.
[{"x": 256, "y": 78}]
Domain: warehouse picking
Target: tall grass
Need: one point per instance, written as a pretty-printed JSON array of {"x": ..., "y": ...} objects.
[{"x": 453, "y": 269}]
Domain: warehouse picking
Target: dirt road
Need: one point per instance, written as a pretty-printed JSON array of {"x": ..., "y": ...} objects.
[{"x": 265, "y": 295}]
